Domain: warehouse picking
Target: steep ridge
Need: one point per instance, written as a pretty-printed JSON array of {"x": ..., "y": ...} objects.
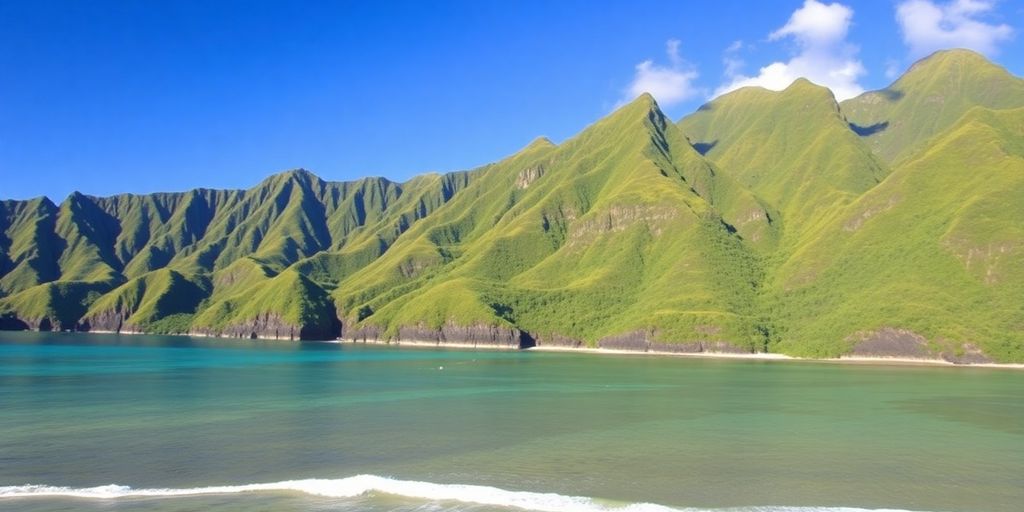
[
  {"x": 58, "y": 261},
  {"x": 157, "y": 302},
  {"x": 935, "y": 92},
  {"x": 792, "y": 148},
  {"x": 29, "y": 244},
  {"x": 582, "y": 243}
]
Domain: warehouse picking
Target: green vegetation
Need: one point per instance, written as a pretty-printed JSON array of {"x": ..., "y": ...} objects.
[
  {"x": 935, "y": 92},
  {"x": 766, "y": 221}
]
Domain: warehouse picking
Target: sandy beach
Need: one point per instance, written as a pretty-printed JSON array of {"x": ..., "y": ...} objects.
[{"x": 761, "y": 356}]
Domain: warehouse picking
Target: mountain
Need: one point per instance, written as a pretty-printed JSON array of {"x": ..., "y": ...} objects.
[
  {"x": 931, "y": 259},
  {"x": 582, "y": 242},
  {"x": 935, "y": 93},
  {"x": 793, "y": 148},
  {"x": 764, "y": 222}
]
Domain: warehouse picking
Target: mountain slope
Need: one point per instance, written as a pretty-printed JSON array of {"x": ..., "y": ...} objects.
[
  {"x": 934, "y": 93},
  {"x": 160, "y": 301},
  {"x": 934, "y": 255},
  {"x": 583, "y": 242},
  {"x": 792, "y": 148},
  {"x": 138, "y": 249},
  {"x": 28, "y": 244}
]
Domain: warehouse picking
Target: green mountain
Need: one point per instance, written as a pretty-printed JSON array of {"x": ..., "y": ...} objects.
[
  {"x": 931, "y": 259},
  {"x": 765, "y": 221},
  {"x": 898, "y": 121},
  {"x": 793, "y": 148}
]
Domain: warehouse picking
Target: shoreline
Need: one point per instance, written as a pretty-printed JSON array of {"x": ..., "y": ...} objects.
[
  {"x": 753, "y": 356},
  {"x": 769, "y": 356},
  {"x": 758, "y": 356},
  {"x": 425, "y": 344}
]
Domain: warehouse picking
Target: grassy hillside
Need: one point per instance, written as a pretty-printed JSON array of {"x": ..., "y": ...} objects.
[
  {"x": 587, "y": 240},
  {"x": 936, "y": 249},
  {"x": 161, "y": 301},
  {"x": 791, "y": 148},
  {"x": 897, "y": 121},
  {"x": 140, "y": 248}
]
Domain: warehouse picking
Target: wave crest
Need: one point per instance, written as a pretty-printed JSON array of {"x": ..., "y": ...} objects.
[{"x": 364, "y": 484}]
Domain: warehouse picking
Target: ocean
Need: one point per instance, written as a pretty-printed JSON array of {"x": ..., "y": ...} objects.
[{"x": 168, "y": 423}]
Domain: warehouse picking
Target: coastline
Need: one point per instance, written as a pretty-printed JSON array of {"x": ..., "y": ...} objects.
[
  {"x": 424, "y": 344},
  {"x": 758, "y": 356}
]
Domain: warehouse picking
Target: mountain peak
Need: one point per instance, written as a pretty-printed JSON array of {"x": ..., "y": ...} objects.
[
  {"x": 802, "y": 84},
  {"x": 644, "y": 102},
  {"x": 540, "y": 142},
  {"x": 646, "y": 98},
  {"x": 299, "y": 174},
  {"x": 961, "y": 56},
  {"x": 951, "y": 67},
  {"x": 801, "y": 94},
  {"x": 929, "y": 98}
]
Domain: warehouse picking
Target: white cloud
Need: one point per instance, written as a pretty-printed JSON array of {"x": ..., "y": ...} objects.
[
  {"x": 731, "y": 60},
  {"x": 822, "y": 55},
  {"x": 816, "y": 23},
  {"x": 670, "y": 84},
  {"x": 928, "y": 26}
]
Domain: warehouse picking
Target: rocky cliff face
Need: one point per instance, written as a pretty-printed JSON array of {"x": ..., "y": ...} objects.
[
  {"x": 273, "y": 326},
  {"x": 557, "y": 340},
  {"x": 902, "y": 343},
  {"x": 110, "y": 320},
  {"x": 475, "y": 335},
  {"x": 642, "y": 341}
]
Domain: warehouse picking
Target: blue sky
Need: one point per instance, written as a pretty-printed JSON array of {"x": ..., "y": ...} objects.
[{"x": 144, "y": 96}]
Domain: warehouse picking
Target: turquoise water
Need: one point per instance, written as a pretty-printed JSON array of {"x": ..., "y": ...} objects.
[{"x": 158, "y": 421}]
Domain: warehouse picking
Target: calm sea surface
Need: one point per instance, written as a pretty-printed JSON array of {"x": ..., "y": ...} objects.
[{"x": 106, "y": 422}]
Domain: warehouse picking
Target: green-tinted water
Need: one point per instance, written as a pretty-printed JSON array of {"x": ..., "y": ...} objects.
[{"x": 150, "y": 412}]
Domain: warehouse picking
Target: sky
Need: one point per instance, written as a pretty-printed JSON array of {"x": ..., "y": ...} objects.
[{"x": 141, "y": 96}]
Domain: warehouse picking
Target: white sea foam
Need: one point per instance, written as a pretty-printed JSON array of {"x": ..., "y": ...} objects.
[{"x": 365, "y": 484}]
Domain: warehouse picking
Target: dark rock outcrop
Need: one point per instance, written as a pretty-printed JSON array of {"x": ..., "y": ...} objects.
[
  {"x": 272, "y": 326},
  {"x": 642, "y": 341},
  {"x": 891, "y": 342},
  {"x": 475, "y": 335},
  {"x": 111, "y": 320},
  {"x": 968, "y": 354},
  {"x": 486, "y": 335},
  {"x": 362, "y": 334},
  {"x": 557, "y": 340}
]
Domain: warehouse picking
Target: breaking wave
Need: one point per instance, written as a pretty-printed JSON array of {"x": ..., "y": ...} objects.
[{"x": 365, "y": 484}]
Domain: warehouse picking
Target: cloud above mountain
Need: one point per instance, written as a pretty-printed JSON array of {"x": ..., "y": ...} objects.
[
  {"x": 815, "y": 43},
  {"x": 669, "y": 84},
  {"x": 928, "y": 26},
  {"x": 822, "y": 53}
]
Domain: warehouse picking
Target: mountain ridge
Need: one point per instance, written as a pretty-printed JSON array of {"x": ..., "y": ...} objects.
[{"x": 764, "y": 222}]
